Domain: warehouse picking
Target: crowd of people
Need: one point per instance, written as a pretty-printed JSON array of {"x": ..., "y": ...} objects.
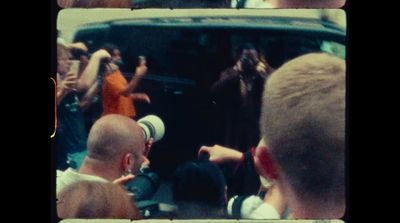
[{"x": 282, "y": 154}]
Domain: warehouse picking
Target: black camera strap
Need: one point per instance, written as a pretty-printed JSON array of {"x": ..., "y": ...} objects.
[{"x": 237, "y": 205}]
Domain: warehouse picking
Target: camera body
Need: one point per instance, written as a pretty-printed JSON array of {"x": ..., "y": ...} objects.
[
  {"x": 146, "y": 183},
  {"x": 143, "y": 187}
]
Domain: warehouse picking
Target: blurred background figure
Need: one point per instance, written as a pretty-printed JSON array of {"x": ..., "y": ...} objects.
[
  {"x": 199, "y": 190},
  {"x": 117, "y": 93},
  {"x": 91, "y": 200},
  {"x": 237, "y": 99},
  {"x": 71, "y": 132},
  {"x": 238, "y": 93},
  {"x": 90, "y": 100},
  {"x": 79, "y": 51}
]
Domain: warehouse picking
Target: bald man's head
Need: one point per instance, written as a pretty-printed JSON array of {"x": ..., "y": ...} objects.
[{"x": 113, "y": 136}]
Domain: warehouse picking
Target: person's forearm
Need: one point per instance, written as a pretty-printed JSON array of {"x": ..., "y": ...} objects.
[
  {"x": 139, "y": 97},
  {"x": 132, "y": 85},
  {"x": 89, "y": 74},
  {"x": 88, "y": 97}
]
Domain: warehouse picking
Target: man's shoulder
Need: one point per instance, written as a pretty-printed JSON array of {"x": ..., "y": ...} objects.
[{"x": 70, "y": 176}]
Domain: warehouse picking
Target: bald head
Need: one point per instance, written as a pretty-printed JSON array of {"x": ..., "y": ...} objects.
[{"x": 114, "y": 135}]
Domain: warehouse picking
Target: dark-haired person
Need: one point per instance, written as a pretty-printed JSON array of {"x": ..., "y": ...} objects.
[
  {"x": 237, "y": 99},
  {"x": 71, "y": 134},
  {"x": 117, "y": 93},
  {"x": 257, "y": 206},
  {"x": 199, "y": 190}
]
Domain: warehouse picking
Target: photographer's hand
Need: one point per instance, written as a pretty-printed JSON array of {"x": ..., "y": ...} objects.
[
  {"x": 145, "y": 164},
  {"x": 220, "y": 154},
  {"x": 65, "y": 86},
  {"x": 124, "y": 179},
  {"x": 70, "y": 81},
  {"x": 148, "y": 145}
]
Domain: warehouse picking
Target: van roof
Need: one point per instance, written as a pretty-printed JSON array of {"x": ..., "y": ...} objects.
[{"x": 232, "y": 18}]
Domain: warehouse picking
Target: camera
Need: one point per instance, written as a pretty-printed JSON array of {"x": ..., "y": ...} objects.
[
  {"x": 153, "y": 127},
  {"x": 144, "y": 185}
]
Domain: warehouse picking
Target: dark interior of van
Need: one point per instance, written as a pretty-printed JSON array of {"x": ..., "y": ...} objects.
[{"x": 182, "y": 63}]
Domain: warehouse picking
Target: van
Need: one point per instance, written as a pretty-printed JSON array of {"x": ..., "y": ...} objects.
[{"x": 186, "y": 51}]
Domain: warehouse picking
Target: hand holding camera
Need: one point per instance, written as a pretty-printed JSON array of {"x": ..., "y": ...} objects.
[
  {"x": 69, "y": 82},
  {"x": 141, "y": 68}
]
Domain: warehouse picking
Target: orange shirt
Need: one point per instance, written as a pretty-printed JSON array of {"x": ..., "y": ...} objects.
[{"x": 114, "y": 102}]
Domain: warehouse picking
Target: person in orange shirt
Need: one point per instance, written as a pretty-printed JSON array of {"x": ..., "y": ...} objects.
[{"x": 117, "y": 92}]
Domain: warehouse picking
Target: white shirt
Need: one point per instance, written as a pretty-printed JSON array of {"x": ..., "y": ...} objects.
[{"x": 70, "y": 176}]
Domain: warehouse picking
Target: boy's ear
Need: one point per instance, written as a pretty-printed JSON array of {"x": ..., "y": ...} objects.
[{"x": 267, "y": 163}]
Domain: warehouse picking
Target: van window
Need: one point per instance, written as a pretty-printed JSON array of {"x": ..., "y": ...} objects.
[
  {"x": 94, "y": 38},
  {"x": 202, "y": 53}
]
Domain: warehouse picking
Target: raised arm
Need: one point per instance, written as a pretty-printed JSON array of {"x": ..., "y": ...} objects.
[
  {"x": 219, "y": 154},
  {"x": 90, "y": 73},
  {"x": 140, "y": 71},
  {"x": 89, "y": 95}
]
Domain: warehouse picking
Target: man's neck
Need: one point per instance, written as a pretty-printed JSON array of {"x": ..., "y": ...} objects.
[
  {"x": 301, "y": 209},
  {"x": 98, "y": 168}
]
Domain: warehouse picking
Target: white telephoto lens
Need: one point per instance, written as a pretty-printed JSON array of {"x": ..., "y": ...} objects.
[{"x": 153, "y": 127}]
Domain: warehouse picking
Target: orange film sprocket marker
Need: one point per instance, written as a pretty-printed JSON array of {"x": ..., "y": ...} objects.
[{"x": 55, "y": 107}]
